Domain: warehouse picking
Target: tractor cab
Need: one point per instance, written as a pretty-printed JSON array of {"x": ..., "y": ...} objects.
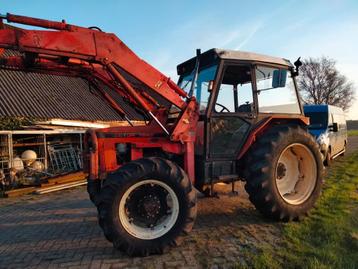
[{"x": 236, "y": 91}]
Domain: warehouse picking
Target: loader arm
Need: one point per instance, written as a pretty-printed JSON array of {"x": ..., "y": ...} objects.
[{"x": 65, "y": 44}]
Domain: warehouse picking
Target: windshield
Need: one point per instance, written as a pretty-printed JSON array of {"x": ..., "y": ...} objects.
[
  {"x": 201, "y": 88},
  {"x": 318, "y": 120}
]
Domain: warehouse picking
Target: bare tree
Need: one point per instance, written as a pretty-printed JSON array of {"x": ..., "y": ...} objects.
[{"x": 321, "y": 83}]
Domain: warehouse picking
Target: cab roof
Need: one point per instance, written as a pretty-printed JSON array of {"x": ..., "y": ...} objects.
[{"x": 213, "y": 55}]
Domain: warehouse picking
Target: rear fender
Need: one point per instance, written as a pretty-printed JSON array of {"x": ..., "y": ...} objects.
[{"x": 265, "y": 124}]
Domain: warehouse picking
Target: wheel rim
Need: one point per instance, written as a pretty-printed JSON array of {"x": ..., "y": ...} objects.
[
  {"x": 296, "y": 173},
  {"x": 148, "y": 209}
]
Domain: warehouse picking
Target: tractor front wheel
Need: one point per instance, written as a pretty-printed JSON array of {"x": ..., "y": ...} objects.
[
  {"x": 147, "y": 206},
  {"x": 284, "y": 173}
]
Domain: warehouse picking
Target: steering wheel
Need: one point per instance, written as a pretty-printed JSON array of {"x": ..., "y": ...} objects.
[{"x": 223, "y": 108}]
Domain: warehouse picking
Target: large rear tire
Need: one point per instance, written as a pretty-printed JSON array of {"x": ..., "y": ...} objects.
[
  {"x": 147, "y": 206},
  {"x": 284, "y": 173}
]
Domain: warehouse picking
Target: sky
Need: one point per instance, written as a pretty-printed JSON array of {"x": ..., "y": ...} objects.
[{"x": 166, "y": 33}]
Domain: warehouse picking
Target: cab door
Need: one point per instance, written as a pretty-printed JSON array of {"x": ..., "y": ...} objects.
[{"x": 232, "y": 110}]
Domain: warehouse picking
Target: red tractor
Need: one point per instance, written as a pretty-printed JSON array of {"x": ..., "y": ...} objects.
[{"x": 232, "y": 116}]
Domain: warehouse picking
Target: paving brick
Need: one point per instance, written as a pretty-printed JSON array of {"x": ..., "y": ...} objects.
[{"x": 60, "y": 230}]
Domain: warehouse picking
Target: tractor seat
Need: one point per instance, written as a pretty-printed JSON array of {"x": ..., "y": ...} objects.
[{"x": 245, "y": 108}]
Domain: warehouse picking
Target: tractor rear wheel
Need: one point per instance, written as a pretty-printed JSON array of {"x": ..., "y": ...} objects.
[
  {"x": 284, "y": 173},
  {"x": 147, "y": 206}
]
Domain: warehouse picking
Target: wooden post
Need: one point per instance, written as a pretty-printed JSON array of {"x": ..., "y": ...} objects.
[
  {"x": 45, "y": 152},
  {"x": 11, "y": 150}
]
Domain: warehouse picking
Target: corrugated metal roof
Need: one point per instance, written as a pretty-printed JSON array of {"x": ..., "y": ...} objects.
[
  {"x": 9, "y": 53},
  {"x": 48, "y": 96}
]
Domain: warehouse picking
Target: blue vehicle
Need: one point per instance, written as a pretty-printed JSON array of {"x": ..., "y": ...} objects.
[{"x": 328, "y": 125}]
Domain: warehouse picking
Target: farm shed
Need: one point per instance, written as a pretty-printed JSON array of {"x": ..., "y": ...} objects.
[{"x": 43, "y": 118}]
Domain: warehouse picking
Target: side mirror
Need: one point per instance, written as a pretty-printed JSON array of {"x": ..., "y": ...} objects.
[
  {"x": 335, "y": 127},
  {"x": 297, "y": 64},
  {"x": 279, "y": 77},
  {"x": 210, "y": 85}
]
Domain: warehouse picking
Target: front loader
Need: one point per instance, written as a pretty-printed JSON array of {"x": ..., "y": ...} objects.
[{"x": 232, "y": 116}]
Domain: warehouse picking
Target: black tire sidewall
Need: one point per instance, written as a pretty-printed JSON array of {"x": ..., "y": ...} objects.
[
  {"x": 299, "y": 209},
  {"x": 118, "y": 230},
  {"x": 262, "y": 160}
]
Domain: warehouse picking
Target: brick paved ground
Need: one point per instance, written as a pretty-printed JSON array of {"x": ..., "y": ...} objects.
[{"x": 60, "y": 230}]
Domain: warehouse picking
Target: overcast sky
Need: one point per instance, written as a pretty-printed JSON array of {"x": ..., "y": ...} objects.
[{"x": 166, "y": 33}]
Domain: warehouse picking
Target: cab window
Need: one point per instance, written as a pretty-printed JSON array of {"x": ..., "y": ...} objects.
[
  {"x": 235, "y": 92},
  {"x": 276, "y": 91},
  {"x": 201, "y": 91}
]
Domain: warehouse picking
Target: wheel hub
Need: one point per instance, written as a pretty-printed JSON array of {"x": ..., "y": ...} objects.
[
  {"x": 150, "y": 206},
  {"x": 281, "y": 170},
  {"x": 296, "y": 174},
  {"x": 148, "y": 209}
]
